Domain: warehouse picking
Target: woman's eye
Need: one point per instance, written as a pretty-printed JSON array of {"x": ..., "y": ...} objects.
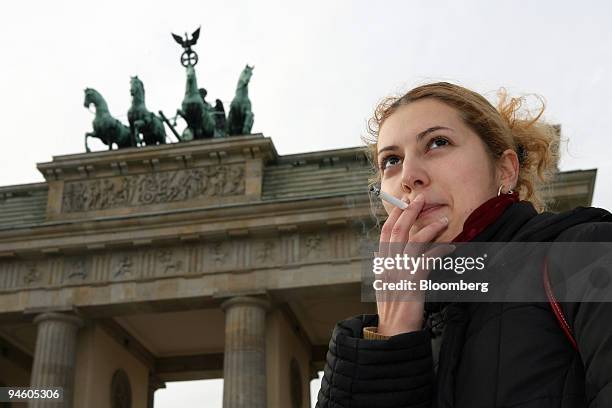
[
  {"x": 437, "y": 142},
  {"x": 390, "y": 160}
]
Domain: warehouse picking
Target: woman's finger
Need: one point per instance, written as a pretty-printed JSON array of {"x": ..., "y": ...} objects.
[
  {"x": 401, "y": 229},
  {"x": 429, "y": 232},
  {"x": 385, "y": 232}
]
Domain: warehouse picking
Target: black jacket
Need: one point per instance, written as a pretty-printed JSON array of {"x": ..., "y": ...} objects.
[{"x": 511, "y": 355}]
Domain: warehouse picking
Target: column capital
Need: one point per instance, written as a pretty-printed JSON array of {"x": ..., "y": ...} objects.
[
  {"x": 63, "y": 317},
  {"x": 246, "y": 301}
]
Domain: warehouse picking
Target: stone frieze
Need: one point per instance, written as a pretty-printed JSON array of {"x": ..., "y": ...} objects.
[{"x": 153, "y": 188}]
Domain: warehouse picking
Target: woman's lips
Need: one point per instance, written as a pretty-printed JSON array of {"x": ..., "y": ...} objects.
[{"x": 429, "y": 209}]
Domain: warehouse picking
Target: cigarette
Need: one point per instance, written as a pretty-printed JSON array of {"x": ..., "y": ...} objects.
[{"x": 388, "y": 198}]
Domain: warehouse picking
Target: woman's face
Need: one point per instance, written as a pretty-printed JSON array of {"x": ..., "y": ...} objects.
[{"x": 425, "y": 148}]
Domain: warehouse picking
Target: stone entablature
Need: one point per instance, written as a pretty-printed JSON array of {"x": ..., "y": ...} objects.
[
  {"x": 139, "y": 181},
  {"x": 288, "y": 248}
]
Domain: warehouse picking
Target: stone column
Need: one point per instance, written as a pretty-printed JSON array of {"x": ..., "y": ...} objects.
[
  {"x": 244, "y": 361},
  {"x": 154, "y": 384},
  {"x": 54, "y": 357}
]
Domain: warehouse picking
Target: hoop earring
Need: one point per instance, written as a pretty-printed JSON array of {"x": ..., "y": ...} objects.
[{"x": 500, "y": 189}]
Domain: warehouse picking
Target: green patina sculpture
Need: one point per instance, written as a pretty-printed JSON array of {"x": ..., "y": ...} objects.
[
  {"x": 240, "y": 118},
  {"x": 189, "y": 56},
  {"x": 106, "y": 128},
  {"x": 199, "y": 117},
  {"x": 141, "y": 120},
  {"x": 203, "y": 120},
  {"x": 218, "y": 113},
  {"x": 203, "y": 92},
  {"x": 220, "y": 122}
]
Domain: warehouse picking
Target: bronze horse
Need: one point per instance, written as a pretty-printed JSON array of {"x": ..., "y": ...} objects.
[
  {"x": 199, "y": 117},
  {"x": 240, "y": 118},
  {"x": 141, "y": 120},
  {"x": 105, "y": 127}
]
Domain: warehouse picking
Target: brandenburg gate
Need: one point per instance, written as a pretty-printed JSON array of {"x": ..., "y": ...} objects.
[{"x": 215, "y": 258}]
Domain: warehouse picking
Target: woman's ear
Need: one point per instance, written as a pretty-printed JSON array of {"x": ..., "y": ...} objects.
[{"x": 508, "y": 169}]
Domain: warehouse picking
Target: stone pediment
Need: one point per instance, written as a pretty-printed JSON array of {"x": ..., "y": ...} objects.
[{"x": 161, "y": 178}]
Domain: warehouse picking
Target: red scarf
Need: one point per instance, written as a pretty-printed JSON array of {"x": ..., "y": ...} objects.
[{"x": 484, "y": 215}]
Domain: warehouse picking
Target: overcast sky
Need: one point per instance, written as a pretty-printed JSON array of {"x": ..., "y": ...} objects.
[{"x": 320, "y": 67}]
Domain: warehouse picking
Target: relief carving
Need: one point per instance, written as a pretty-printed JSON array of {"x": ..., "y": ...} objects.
[
  {"x": 167, "y": 262},
  {"x": 32, "y": 274},
  {"x": 266, "y": 252},
  {"x": 153, "y": 188},
  {"x": 313, "y": 244},
  {"x": 75, "y": 269},
  {"x": 218, "y": 254},
  {"x": 123, "y": 267}
]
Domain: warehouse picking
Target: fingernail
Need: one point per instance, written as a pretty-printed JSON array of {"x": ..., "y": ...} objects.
[
  {"x": 418, "y": 198},
  {"x": 444, "y": 220}
]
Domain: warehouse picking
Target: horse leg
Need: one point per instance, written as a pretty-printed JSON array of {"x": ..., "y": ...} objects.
[
  {"x": 160, "y": 130},
  {"x": 208, "y": 125},
  {"x": 134, "y": 136},
  {"x": 248, "y": 123},
  {"x": 87, "y": 135},
  {"x": 229, "y": 124},
  {"x": 180, "y": 113}
]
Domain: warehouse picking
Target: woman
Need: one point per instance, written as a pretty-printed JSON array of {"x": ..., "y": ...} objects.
[{"x": 470, "y": 172}]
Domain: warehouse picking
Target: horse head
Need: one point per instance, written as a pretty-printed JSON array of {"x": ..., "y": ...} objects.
[
  {"x": 136, "y": 87},
  {"x": 92, "y": 96},
  {"x": 245, "y": 76}
]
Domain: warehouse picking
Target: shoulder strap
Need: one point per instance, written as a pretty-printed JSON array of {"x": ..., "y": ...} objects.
[{"x": 556, "y": 308}]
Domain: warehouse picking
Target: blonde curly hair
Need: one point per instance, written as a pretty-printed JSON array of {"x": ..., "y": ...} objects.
[{"x": 512, "y": 125}]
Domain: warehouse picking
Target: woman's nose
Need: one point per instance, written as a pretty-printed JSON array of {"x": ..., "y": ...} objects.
[{"x": 414, "y": 176}]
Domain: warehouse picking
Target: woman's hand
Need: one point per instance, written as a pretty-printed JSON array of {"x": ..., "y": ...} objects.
[{"x": 402, "y": 311}]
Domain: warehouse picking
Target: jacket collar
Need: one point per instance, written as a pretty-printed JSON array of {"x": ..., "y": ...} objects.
[{"x": 485, "y": 215}]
